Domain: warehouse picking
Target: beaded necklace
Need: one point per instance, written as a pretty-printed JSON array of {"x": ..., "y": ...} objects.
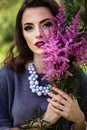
[{"x": 34, "y": 83}]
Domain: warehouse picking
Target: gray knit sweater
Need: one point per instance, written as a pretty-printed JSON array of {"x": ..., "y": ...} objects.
[{"x": 18, "y": 103}]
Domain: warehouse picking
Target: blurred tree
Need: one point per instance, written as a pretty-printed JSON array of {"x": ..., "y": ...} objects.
[
  {"x": 5, "y": 4},
  {"x": 2, "y": 3},
  {"x": 8, "y": 11},
  {"x": 58, "y": 1},
  {"x": 71, "y": 8}
]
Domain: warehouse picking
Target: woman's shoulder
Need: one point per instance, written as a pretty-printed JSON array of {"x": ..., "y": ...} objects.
[
  {"x": 83, "y": 94},
  {"x": 9, "y": 77},
  {"x": 6, "y": 73},
  {"x": 7, "y": 80},
  {"x": 6, "y": 77},
  {"x": 83, "y": 83},
  {"x": 4, "y": 70}
]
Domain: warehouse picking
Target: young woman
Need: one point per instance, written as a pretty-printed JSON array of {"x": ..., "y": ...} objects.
[{"x": 19, "y": 101}]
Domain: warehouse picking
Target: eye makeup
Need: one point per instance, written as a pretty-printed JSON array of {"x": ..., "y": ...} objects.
[{"x": 28, "y": 28}]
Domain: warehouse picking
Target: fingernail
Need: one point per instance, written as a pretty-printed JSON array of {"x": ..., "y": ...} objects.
[
  {"x": 54, "y": 87},
  {"x": 49, "y": 93},
  {"x": 48, "y": 99}
]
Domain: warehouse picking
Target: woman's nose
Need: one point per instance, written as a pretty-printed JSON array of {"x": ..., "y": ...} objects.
[{"x": 38, "y": 33}]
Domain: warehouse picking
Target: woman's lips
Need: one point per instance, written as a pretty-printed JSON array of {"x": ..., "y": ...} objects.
[{"x": 39, "y": 44}]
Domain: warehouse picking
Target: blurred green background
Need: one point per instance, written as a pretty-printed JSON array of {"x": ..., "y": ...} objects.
[{"x": 8, "y": 12}]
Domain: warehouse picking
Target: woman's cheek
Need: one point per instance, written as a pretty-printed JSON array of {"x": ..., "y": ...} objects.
[{"x": 47, "y": 33}]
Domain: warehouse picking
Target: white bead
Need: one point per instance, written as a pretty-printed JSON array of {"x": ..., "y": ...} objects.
[
  {"x": 28, "y": 67},
  {"x": 30, "y": 72},
  {"x": 36, "y": 82},
  {"x": 31, "y": 82},
  {"x": 33, "y": 79},
  {"x": 32, "y": 75},
  {"x": 34, "y": 85},
  {"x": 33, "y": 90},
  {"x": 34, "y": 72},
  {"x": 48, "y": 87},
  {"x": 42, "y": 91},
  {"x": 40, "y": 88},
  {"x": 30, "y": 64},
  {"x": 32, "y": 68},
  {"x": 31, "y": 86},
  {"x": 36, "y": 76},
  {"x": 46, "y": 91},
  {"x": 39, "y": 93},
  {"x": 45, "y": 94},
  {"x": 29, "y": 78},
  {"x": 37, "y": 86},
  {"x": 37, "y": 89},
  {"x": 44, "y": 88}
]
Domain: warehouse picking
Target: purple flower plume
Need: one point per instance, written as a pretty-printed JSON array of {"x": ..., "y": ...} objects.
[{"x": 65, "y": 48}]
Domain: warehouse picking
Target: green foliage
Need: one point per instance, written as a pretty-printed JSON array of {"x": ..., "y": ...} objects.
[
  {"x": 8, "y": 11},
  {"x": 71, "y": 8},
  {"x": 84, "y": 67},
  {"x": 6, "y": 4},
  {"x": 58, "y": 1},
  {"x": 3, "y": 51}
]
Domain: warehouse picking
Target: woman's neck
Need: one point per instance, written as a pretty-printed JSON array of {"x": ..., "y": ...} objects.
[{"x": 38, "y": 63}]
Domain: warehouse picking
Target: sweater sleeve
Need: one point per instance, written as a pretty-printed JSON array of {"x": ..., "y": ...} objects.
[
  {"x": 83, "y": 97},
  {"x": 5, "y": 122}
]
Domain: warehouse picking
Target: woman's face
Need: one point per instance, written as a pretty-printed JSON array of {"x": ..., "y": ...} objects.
[{"x": 35, "y": 20}]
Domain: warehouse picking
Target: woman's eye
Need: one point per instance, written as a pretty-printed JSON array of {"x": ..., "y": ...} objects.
[
  {"x": 48, "y": 24},
  {"x": 28, "y": 28}
]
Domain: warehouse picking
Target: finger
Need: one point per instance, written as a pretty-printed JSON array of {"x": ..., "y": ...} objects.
[
  {"x": 58, "y": 98},
  {"x": 62, "y": 93},
  {"x": 64, "y": 111},
  {"x": 55, "y": 104},
  {"x": 55, "y": 109},
  {"x": 59, "y": 111}
]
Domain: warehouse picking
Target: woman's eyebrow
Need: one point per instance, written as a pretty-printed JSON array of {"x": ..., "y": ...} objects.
[
  {"x": 42, "y": 21},
  {"x": 45, "y": 20},
  {"x": 28, "y": 24}
]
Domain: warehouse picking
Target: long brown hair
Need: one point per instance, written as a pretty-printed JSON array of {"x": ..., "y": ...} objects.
[{"x": 24, "y": 54}]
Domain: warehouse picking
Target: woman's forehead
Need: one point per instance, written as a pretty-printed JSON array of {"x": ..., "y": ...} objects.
[{"x": 35, "y": 14}]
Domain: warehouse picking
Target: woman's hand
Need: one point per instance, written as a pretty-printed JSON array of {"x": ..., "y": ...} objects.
[
  {"x": 50, "y": 115},
  {"x": 65, "y": 106}
]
